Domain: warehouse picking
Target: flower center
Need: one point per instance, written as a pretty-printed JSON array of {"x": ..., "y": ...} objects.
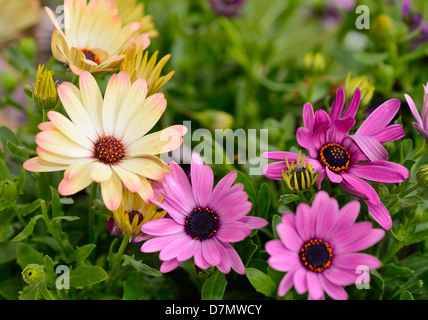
[
  {"x": 316, "y": 255},
  {"x": 335, "y": 157},
  {"x": 201, "y": 223},
  {"x": 91, "y": 55},
  {"x": 109, "y": 150},
  {"x": 132, "y": 214}
]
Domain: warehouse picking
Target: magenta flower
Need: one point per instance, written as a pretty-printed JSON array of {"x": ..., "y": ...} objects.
[
  {"x": 318, "y": 248},
  {"x": 421, "y": 124},
  {"x": 203, "y": 220},
  {"x": 348, "y": 159}
]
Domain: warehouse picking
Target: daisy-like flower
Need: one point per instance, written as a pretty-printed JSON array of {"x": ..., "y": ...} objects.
[
  {"x": 131, "y": 10},
  {"x": 133, "y": 212},
  {"x": 421, "y": 124},
  {"x": 318, "y": 248},
  {"x": 203, "y": 221},
  {"x": 16, "y": 16},
  {"x": 348, "y": 159},
  {"x": 106, "y": 140},
  {"x": 94, "y": 37}
]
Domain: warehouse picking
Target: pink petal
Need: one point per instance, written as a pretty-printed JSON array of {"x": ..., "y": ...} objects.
[
  {"x": 211, "y": 252},
  {"x": 333, "y": 176},
  {"x": 233, "y": 232},
  {"x": 334, "y": 291},
  {"x": 380, "y": 171},
  {"x": 372, "y": 148},
  {"x": 314, "y": 286},
  {"x": 362, "y": 187},
  {"x": 169, "y": 265},
  {"x": 254, "y": 222},
  {"x": 353, "y": 260},
  {"x": 339, "y": 102},
  {"x": 308, "y": 116},
  {"x": 414, "y": 109},
  {"x": 380, "y": 214},
  {"x": 285, "y": 284},
  {"x": 305, "y": 221},
  {"x": 354, "y": 103},
  {"x": 300, "y": 280},
  {"x": 162, "y": 227},
  {"x": 289, "y": 236}
]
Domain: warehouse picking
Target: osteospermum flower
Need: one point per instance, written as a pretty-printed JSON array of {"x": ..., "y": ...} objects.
[
  {"x": 348, "y": 159},
  {"x": 318, "y": 248},
  {"x": 203, "y": 220},
  {"x": 94, "y": 37},
  {"x": 133, "y": 212},
  {"x": 421, "y": 124},
  {"x": 16, "y": 16},
  {"x": 106, "y": 140}
]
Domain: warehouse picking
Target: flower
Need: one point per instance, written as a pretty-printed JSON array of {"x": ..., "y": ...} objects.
[
  {"x": 421, "y": 124},
  {"x": 203, "y": 221},
  {"x": 130, "y": 10},
  {"x": 299, "y": 176},
  {"x": 94, "y": 37},
  {"x": 227, "y": 8},
  {"x": 422, "y": 176},
  {"x": 45, "y": 93},
  {"x": 16, "y": 16},
  {"x": 133, "y": 212},
  {"x": 106, "y": 140},
  {"x": 318, "y": 248},
  {"x": 33, "y": 275},
  {"x": 415, "y": 22},
  {"x": 348, "y": 159},
  {"x": 138, "y": 65},
  {"x": 365, "y": 86}
]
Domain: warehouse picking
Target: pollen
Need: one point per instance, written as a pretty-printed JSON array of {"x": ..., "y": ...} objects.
[{"x": 109, "y": 150}]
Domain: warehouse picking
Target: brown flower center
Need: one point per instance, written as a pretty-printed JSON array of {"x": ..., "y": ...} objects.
[
  {"x": 91, "y": 55},
  {"x": 109, "y": 150}
]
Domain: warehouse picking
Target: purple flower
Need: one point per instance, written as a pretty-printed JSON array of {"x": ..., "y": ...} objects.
[
  {"x": 203, "y": 221},
  {"x": 348, "y": 159},
  {"x": 227, "y": 8},
  {"x": 318, "y": 248},
  {"x": 421, "y": 124},
  {"x": 346, "y": 5},
  {"x": 414, "y": 22}
]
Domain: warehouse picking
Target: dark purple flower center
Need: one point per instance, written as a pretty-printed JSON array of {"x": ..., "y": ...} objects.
[
  {"x": 109, "y": 150},
  {"x": 132, "y": 214},
  {"x": 90, "y": 55},
  {"x": 316, "y": 255},
  {"x": 201, "y": 223},
  {"x": 335, "y": 157}
]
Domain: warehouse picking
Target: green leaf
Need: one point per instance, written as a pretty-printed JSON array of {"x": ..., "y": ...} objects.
[
  {"x": 410, "y": 201},
  {"x": 67, "y": 218},
  {"x": 56, "y": 203},
  {"x": 21, "y": 153},
  {"x": 81, "y": 253},
  {"x": 263, "y": 203},
  {"x": 7, "y": 251},
  {"x": 214, "y": 286},
  {"x": 49, "y": 265},
  {"x": 7, "y": 135},
  {"x": 275, "y": 221},
  {"x": 28, "y": 230},
  {"x": 288, "y": 198},
  {"x": 246, "y": 250},
  {"x": 140, "y": 267},
  {"x": 4, "y": 171},
  {"x": 406, "y": 295},
  {"x": 26, "y": 255},
  {"x": 84, "y": 276},
  {"x": 26, "y": 209},
  {"x": 261, "y": 282}
]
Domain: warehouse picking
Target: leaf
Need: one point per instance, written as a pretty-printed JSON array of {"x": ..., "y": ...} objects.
[
  {"x": 7, "y": 135},
  {"x": 21, "y": 153},
  {"x": 261, "y": 282},
  {"x": 406, "y": 295},
  {"x": 246, "y": 250},
  {"x": 214, "y": 286},
  {"x": 248, "y": 185},
  {"x": 26, "y": 255},
  {"x": 67, "y": 218},
  {"x": 7, "y": 251},
  {"x": 26, "y": 209},
  {"x": 140, "y": 267},
  {"x": 84, "y": 276},
  {"x": 81, "y": 253},
  {"x": 410, "y": 201},
  {"x": 263, "y": 203},
  {"x": 275, "y": 221},
  {"x": 28, "y": 230},
  {"x": 49, "y": 265},
  {"x": 288, "y": 198},
  {"x": 56, "y": 203},
  {"x": 4, "y": 171}
]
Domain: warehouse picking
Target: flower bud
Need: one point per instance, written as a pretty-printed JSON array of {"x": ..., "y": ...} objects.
[
  {"x": 45, "y": 94},
  {"x": 28, "y": 48},
  {"x": 214, "y": 119},
  {"x": 422, "y": 176},
  {"x": 33, "y": 275},
  {"x": 384, "y": 29},
  {"x": 365, "y": 85},
  {"x": 314, "y": 63},
  {"x": 299, "y": 176}
]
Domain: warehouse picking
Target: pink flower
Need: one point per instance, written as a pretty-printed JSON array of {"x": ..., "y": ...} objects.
[
  {"x": 318, "y": 248},
  {"x": 203, "y": 220},
  {"x": 348, "y": 159},
  {"x": 421, "y": 124}
]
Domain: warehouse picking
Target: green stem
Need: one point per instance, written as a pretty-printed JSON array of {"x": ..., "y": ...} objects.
[
  {"x": 397, "y": 246},
  {"x": 91, "y": 213},
  {"x": 45, "y": 115},
  {"x": 422, "y": 152},
  {"x": 119, "y": 255},
  {"x": 45, "y": 292},
  {"x": 18, "y": 214}
]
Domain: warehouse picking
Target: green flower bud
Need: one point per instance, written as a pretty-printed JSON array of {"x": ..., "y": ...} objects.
[
  {"x": 8, "y": 190},
  {"x": 214, "y": 119},
  {"x": 422, "y": 176},
  {"x": 33, "y": 274},
  {"x": 366, "y": 86},
  {"x": 382, "y": 191},
  {"x": 314, "y": 63},
  {"x": 45, "y": 94},
  {"x": 384, "y": 29},
  {"x": 28, "y": 48},
  {"x": 8, "y": 81}
]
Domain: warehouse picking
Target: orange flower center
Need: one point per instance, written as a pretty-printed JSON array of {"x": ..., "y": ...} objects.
[
  {"x": 109, "y": 150},
  {"x": 91, "y": 55},
  {"x": 335, "y": 157}
]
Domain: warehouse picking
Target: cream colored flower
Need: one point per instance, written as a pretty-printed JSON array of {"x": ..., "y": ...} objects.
[
  {"x": 133, "y": 212},
  {"x": 130, "y": 10},
  {"x": 16, "y": 16},
  {"x": 105, "y": 140},
  {"x": 94, "y": 37}
]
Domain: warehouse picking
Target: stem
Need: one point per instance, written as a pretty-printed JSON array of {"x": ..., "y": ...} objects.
[
  {"x": 45, "y": 116},
  {"x": 18, "y": 214},
  {"x": 391, "y": 253},
  {"x": 91, "y": 213},
  {"x": 45, "y": 292},
  {"x": 119, "y": 255},
  {"x": 422, "y": 152}
]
